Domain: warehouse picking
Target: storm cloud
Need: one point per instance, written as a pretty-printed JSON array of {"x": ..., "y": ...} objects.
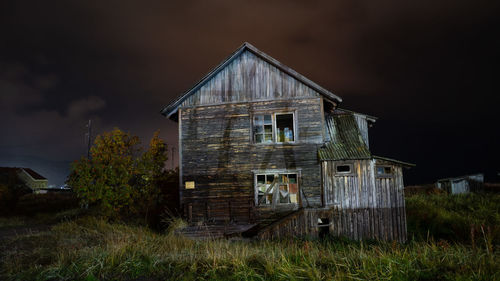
[{"x": 427, "y": 69}]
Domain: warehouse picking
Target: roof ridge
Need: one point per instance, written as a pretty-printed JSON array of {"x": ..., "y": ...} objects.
[{"x": 173, "y": 106}]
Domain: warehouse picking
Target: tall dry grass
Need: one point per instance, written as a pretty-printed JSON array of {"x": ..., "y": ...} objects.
[
  {"x": 445, "y": 247},
  {"x": 93, "y": 249}
]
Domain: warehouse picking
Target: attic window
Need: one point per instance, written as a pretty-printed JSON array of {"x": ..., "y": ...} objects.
[{"x": 344, "y": 169}]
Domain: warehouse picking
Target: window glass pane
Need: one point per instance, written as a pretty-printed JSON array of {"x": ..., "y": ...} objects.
[
  {"x": 380, "y": 170},
  {"x": 268, "y": 119},
  {"x": 261, "y": 179},
  {"x": 268, "y": 138},
  {"x": 283, "y": 178},
  {"x": 387, "y": 170},
  {"x": 259, "y": 138},
  {"x": 268, "y": 129},
  {"x": 284, "y": 127},
  {"x": 258, "y": 120},
  {"x": 270, "y": 179}
]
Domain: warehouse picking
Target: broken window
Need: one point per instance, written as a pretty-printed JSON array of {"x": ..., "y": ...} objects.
[
  {"x": 278, "y": 188},
  {"x": 284, "y": 127},
  {"x": 277, "y": 127},
  {"x": 263, "y": 128},
  {"x": 384, "y": 170}
]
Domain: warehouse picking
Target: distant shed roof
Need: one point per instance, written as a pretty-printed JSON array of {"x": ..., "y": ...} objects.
[
  {"x": 402, "y": 163},
  {"x": 34, "y": 174},
  {"x": 370, "y": 118},
  {"x": 346, "y": 140},
  {"x": 173, "y": 106}
]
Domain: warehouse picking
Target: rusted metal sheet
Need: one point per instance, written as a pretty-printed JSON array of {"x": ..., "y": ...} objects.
[{"x": 345, "y": 139}]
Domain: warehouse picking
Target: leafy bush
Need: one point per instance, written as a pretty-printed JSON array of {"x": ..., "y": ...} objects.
[{"x": 120, "y": 178}]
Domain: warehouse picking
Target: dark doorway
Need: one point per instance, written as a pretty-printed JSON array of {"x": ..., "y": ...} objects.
[{"x": 323, "y": 227}]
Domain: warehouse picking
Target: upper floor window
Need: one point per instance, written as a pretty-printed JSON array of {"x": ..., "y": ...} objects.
[
  {"x": 274, "y": 127},
  {"x": 263, "y": 128}
]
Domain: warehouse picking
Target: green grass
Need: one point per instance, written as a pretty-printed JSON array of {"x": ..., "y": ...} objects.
[
  {"x": 89, "y": 248},
  {"x": 12, "y": 221},
  {"x": 467, "y": 218}
]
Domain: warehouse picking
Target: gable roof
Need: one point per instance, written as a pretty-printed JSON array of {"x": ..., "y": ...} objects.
[
  {"x": 34, "y": 174},
  {"x": 174, "y": 105},
  {"x": 346, "y": 140}
]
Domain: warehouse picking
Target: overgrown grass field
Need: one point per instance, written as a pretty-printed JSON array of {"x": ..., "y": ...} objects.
[{"x": 90, "y": 248}]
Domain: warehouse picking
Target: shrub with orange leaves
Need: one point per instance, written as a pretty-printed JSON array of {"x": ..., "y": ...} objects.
[{"x": 120, "y": 177}]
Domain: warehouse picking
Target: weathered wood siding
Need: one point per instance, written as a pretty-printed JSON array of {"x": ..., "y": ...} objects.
[
  {"x": 249, "y": 78},
  {"x": 370, "y": 206},
  {"x": 218, "y": 154},
  {"x": 363, "y": 127}
]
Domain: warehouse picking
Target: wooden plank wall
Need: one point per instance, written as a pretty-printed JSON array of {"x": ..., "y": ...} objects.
[
  {"x": 368, "y": 206},
  {"x": 218, "y": 154},
  {"x": 249, "y": 78},
  {"x": 363, "y": 127}
]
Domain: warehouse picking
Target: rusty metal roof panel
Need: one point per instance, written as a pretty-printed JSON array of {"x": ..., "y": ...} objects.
[{"x": 346, "y": 140}]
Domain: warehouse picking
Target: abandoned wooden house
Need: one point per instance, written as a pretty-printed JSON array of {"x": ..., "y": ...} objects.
[
  {"x": 266, "y": 152},
  {"x": 463, "y": 184}
]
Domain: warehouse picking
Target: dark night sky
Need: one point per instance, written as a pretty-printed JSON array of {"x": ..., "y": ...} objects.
[{"x": 427, "y": 69}]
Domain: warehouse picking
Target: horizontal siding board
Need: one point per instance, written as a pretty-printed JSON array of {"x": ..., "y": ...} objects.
[{"x": 218, "y": 154}]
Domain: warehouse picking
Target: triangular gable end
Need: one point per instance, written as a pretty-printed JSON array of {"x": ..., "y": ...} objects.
[{"x": 248, "y": 75}]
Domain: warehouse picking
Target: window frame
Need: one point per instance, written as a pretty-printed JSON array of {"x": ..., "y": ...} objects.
[
  {"x": 279, "y": 173},
  {"x": 384, "y": 175},
  {"x": 253, "y": 126},
  {"x": 273, "y": 114},
  {"x": 341, "y": 174}
]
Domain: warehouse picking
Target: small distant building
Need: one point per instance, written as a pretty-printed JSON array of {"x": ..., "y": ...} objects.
[
  {"x": 463, "y": 184},
  {"x": 32, "y": 179}
]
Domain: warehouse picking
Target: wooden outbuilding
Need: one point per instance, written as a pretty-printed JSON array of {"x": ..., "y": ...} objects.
[
  {"x": 463, "y": 184},
  {"x": 266, "y": 152}
]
